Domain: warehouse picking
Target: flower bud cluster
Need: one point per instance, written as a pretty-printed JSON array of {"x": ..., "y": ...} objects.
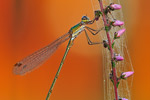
[{"x": 116, "y": 58}]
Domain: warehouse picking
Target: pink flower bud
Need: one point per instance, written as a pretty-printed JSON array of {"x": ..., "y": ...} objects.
[
  {"x": 124, "y": 99},
  {"x": 119, "y": 58},
  {"x": 117, "y": 23},
  {"x": 119, "y": 33},
  {"x": 127, "y": 74},
  {"x": 115, "y": 6}
]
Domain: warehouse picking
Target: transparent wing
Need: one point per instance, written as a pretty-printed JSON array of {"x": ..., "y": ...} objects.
[
  {"x": 120, "y": 48},
  {"x": 37, "y": 58}
]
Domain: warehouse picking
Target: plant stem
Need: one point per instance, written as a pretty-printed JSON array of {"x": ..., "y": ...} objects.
[
  {"x": 111, "y": 50},
  {"x": 58, "y": 71}
]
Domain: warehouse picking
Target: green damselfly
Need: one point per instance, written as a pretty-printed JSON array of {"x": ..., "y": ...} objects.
[{"x": 37, "y": 58}]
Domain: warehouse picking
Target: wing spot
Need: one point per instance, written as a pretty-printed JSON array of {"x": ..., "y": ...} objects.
[{"x": 18, "y": 64}]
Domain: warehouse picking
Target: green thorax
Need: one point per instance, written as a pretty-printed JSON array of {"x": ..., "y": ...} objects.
[{"x": 74, "y": 28}]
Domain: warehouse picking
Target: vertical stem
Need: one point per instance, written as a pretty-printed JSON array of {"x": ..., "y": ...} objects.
[
  {"x": 58, "y": 71},
  {"x": 111, "y": 50}
]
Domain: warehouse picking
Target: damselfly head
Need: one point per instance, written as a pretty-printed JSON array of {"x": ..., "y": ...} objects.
[{"x": 85, "y": 19}]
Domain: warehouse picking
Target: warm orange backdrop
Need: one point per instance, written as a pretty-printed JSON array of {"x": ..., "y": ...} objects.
[{"x": 27, "y": 25}]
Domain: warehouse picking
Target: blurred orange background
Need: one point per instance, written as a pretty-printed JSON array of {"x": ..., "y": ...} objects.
[{"x": 27, "y": 25}]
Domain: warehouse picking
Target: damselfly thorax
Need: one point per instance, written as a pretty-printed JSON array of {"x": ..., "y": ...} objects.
[
  {"x": 34, "y": 60},
  {"x": 76, "y": 30}
]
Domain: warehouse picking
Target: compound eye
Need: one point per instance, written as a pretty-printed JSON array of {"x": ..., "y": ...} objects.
[{"x": 84, "y": 18}]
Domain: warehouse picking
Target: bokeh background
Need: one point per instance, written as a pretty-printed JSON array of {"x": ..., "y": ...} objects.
[{"x": 27, "y": 25}]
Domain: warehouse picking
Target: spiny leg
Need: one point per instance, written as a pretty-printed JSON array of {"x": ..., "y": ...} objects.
[
  {"x": 97, "y": 31},
  {"x": 89, "y": 41},
  {"x": 60, "y": 66}
]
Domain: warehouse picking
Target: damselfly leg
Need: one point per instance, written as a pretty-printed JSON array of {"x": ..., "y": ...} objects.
[{"x": 34, "y": 60}]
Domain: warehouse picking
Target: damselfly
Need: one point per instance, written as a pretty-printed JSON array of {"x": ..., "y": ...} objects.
[{"x": 37, "y": 58}]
